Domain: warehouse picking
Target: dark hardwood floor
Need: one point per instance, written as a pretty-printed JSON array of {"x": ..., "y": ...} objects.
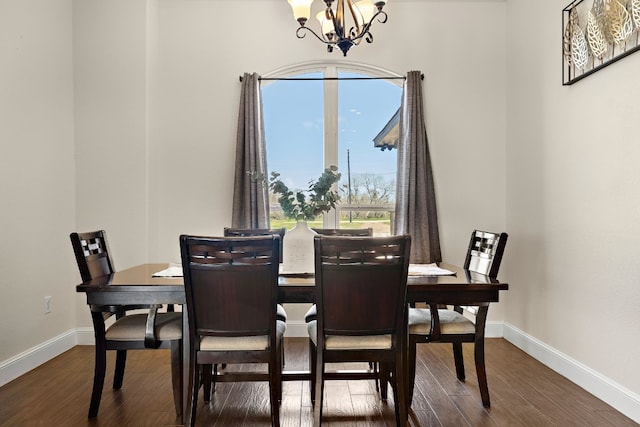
[{"x": 523, "y": 393}]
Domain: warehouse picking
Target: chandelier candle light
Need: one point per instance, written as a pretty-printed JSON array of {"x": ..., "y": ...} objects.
[{"x": 334, "y": 24}]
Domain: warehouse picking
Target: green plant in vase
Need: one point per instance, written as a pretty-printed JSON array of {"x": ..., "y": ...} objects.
[{"x": 305, "y": 205}]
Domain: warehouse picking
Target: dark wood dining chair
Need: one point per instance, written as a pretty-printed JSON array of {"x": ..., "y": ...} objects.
[
  {"x": 435, "y": 324},
  {"x": 361, "y": 287},
  {"x": 231, "y": 286},
  {"x": 281, "y": 313},
  {"x": 130, "y": 331}
]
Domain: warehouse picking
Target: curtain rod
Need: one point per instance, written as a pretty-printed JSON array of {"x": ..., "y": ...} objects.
[{"x": 335, "y": 78}]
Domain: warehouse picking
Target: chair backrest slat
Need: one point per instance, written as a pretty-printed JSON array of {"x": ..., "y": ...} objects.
[{"x": 248, "y": 232}]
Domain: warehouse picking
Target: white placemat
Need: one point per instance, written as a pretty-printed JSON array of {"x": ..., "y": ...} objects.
[
  {"x": 428, "y": 270},
  {"x": 174, "y": 270}
]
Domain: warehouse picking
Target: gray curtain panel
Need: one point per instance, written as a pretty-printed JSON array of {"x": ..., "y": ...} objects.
[
  {"x": 250, "y": 196},
  {"x": 416, "y": 212}
]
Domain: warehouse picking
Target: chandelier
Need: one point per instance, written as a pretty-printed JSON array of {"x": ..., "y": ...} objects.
[{"x": 334, "y": 23}]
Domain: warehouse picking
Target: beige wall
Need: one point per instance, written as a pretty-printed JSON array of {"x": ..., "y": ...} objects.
[
  {"x": 111, "y": 115},
  {"x": 573, "y": 199},
  {"x": 37, "y": 178}
]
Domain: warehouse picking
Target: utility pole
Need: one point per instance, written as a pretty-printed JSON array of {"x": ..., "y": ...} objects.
[{"x": 349, "y": 179}]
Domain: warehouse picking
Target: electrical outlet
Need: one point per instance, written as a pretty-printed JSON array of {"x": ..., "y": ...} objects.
[{"x": 47, "y": 304}]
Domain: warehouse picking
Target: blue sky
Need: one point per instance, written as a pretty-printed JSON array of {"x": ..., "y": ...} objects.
[{"x": 294, "y": 117}]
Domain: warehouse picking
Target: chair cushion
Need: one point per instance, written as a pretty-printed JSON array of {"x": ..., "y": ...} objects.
[
  {"x": 311, "y": 314},
  {"x": 347, "y": 342},
  {"x": 451, "y": 322},
  {"x": 281, "y": 314},
  {"x": 419, "y": 321},
  {"x": 259, "y": 342},
  {"x": 132, "y": 327}
]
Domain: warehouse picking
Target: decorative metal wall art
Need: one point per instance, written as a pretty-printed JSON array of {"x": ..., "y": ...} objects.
[{"x": 597, "y": 34}]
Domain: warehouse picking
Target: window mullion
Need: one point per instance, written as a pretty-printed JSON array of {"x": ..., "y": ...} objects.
[{"x": 331, "y": 219}]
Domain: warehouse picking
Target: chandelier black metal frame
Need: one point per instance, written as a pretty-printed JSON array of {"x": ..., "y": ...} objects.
[{"x": 334, "y": 24}]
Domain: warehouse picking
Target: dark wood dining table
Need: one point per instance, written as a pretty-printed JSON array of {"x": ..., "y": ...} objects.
[{"x": 137, "y": 285}]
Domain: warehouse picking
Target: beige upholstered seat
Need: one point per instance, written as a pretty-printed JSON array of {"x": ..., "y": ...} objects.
[
  {"x": 257, "y": 343},
  {"x": 168, "y": 326},
  {"x": 344, "y": 342},
  {"x": 451, "y": 322}
]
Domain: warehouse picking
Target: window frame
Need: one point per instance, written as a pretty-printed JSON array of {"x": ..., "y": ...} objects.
[{"x": 330, "y": 71}]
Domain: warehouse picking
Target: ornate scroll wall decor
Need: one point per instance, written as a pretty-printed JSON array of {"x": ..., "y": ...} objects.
[{"x": 597, "y": 34}]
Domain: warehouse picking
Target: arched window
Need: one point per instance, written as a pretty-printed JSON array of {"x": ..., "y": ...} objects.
[{"x": 324, "y": 115}]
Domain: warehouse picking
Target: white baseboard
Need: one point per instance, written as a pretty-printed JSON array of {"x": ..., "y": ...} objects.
[
  {"x": 619, "y": 397},
  {"x": 494, "y": 330},
  {"x": 22, "y": 363},
  {"x": 85, "y": 336}
]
